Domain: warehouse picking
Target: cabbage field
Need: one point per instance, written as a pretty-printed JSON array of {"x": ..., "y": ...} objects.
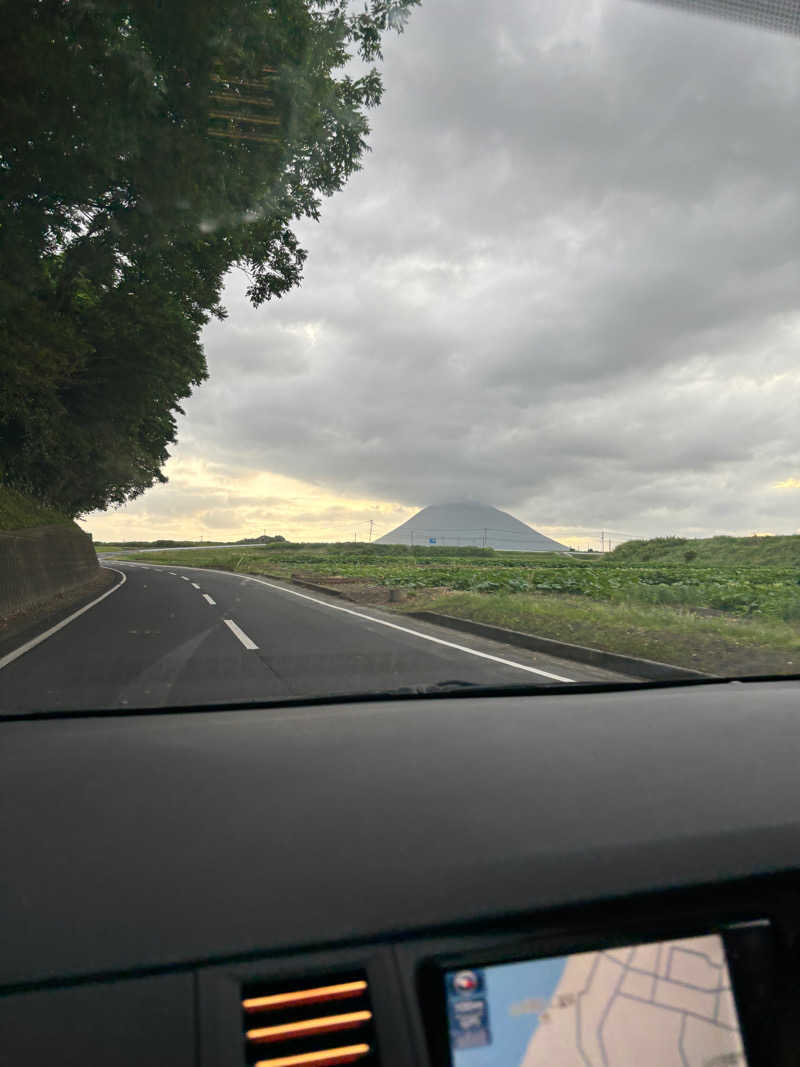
[
  {"x": 744, "y": 590},
  {"x": 767, "y": 591}
]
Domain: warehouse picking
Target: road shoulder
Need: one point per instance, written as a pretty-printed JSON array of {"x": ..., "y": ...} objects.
[{"x": 24, "y": 626}]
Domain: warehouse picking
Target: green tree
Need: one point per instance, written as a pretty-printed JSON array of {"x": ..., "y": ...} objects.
[{"x": 146, "y": 147}]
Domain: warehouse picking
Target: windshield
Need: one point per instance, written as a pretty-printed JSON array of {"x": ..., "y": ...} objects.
[{"x": 395, "y": 348}]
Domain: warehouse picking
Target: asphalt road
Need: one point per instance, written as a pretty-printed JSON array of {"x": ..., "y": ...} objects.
[{"x": 181, "y": 636}]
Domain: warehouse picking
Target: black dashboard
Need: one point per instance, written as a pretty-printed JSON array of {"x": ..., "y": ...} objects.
[{"x": 259, "y": 886}]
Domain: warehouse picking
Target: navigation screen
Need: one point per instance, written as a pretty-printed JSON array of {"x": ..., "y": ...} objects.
[{"x": 667, "y": 1004}]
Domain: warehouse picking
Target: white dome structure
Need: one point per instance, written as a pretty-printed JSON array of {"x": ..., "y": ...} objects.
[{"x": 466, "y": 523}]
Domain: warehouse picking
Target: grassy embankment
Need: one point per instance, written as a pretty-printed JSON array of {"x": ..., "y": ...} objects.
[
  {"x": 726, "y": 605},
  {"x": 21, "y": 512},
  {"x": 775, "y": 551}
]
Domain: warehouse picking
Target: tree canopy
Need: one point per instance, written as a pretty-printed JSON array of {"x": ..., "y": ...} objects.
[{"x": 146, "y": 147}]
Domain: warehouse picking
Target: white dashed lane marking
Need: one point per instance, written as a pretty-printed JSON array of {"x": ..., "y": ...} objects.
[
  {"x": 208, "y": 598},
  {"x": 237, "y": 631},
  {"x": 375, "y": 621}
]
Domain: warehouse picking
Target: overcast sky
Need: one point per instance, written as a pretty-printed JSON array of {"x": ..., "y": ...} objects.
[{"x": 566, "y": 283}]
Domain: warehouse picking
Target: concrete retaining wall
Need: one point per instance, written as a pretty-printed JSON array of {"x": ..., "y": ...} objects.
[{"x": 41, "y": 563}]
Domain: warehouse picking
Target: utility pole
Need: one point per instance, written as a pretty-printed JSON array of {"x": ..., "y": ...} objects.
[
  {"x": 602, "y": 540},
  {"x": 485, "y": 531},
  {"x": 371, "y": 524},
  {"x": 355, "y": 536}
]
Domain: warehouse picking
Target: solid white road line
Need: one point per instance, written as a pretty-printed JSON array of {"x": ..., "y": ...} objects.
[
  {"x": 381, "y": 622},
  {"x": 195, "y": 585},
  {"x": 390, "y": 625},
  {"x": 239, "y": 632},
  {"x": 416, "y": 633},
  {"x": 4, "y": 662},
  {"x": 208, "y": 598}
]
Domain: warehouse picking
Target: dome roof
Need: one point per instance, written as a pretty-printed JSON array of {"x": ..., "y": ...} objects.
[{"x": 467, "y": 523}]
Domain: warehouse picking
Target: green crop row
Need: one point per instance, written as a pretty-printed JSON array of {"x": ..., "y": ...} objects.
[{"x": 765, "y": 591}]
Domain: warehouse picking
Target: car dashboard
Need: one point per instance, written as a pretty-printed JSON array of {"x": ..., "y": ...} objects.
[{"x": 354, "y": 883}]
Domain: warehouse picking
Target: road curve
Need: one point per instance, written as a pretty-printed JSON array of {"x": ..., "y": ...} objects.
[{"x": 181, "y": 635}]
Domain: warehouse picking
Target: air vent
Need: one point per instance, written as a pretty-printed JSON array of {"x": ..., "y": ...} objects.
[{"x": 309, "y": 1024}]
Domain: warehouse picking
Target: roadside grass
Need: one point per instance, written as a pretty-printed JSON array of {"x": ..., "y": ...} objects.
[
  {"x": 775, "y": 550},
  {"x": 20, "y": 512},
  {"x": 720, "y": 645}
]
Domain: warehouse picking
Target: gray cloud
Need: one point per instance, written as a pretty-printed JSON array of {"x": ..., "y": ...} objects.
[{"x": 566, "y": 282}]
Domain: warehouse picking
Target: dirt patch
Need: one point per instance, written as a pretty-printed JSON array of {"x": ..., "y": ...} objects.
[
  {"x": 355, "y": 591},
  {"x": 336, "y": 581},
  {"x": 359, "y": 591}
]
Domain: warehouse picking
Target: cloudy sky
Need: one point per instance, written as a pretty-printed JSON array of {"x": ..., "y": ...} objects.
[{"x": 566, "y": 283}]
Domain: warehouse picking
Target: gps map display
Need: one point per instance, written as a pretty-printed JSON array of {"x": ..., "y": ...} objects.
[{"x": 667, "y": 1004}]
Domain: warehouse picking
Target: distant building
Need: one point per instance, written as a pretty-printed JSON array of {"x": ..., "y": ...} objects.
[{"x": 465, "y": 523}]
